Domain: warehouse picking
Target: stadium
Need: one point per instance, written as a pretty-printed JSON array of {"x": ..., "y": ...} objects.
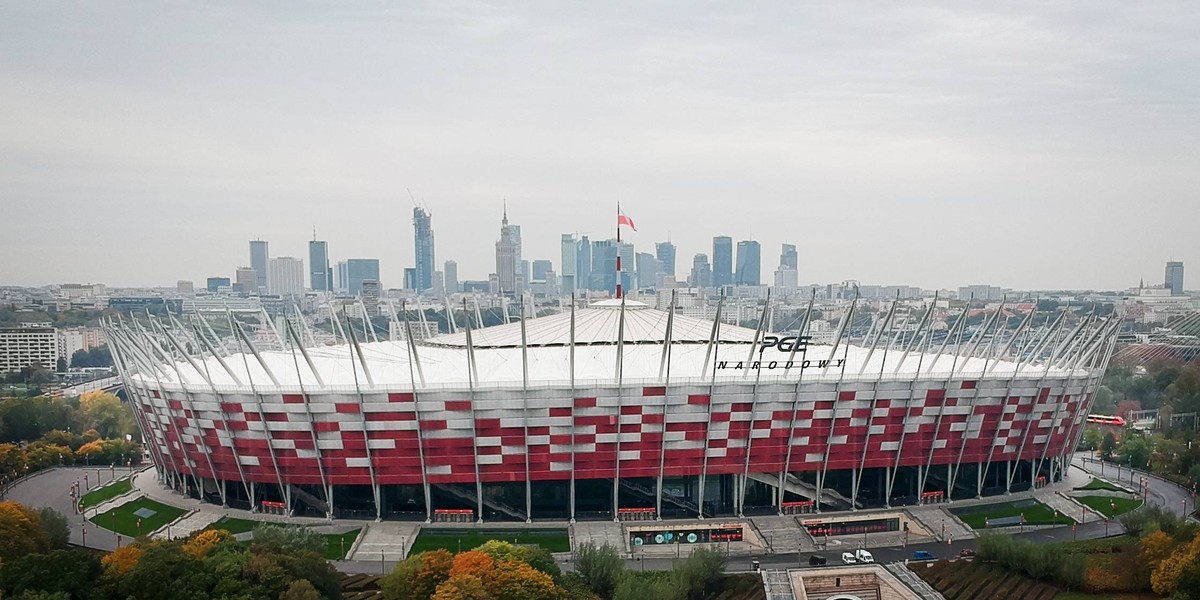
[{"x": 614, "y": 410}]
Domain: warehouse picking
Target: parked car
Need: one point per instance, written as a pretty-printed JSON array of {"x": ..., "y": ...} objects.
[
  {"x": 817, "y": 560},
  {"x": 863, "y": 556},
  {"x": 922, "y": 555},
  {"x": 967, "y": 553},
  {"x": 848, "y": 558}
]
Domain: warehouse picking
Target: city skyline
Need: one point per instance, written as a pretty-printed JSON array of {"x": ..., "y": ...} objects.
[{"x": 925, "y": 145}]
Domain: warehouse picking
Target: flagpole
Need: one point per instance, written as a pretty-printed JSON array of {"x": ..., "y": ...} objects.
[{"x": 618, "y": 250}]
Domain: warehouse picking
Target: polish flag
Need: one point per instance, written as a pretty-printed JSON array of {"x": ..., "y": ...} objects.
[{"x": 622, "y": 219}]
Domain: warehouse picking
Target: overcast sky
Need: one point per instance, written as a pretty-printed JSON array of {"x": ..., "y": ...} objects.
[{"x": 1035, "y": 145}]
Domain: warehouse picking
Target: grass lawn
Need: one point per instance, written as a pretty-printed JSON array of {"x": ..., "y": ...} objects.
[
  {"x": 235, "y": 526},
  {"x": 1100, "y": 484},
  {"x": 1035, "y": 513},
  {"x": 338, "y": 544},
  {"x": 107, "y": 492},
  {"x": 1104, "y": 504},
  {"x": 554, "y": 540},
  {"x": 123, "y": 521}
]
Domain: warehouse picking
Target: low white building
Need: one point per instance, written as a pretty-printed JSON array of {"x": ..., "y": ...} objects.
[{"x": 26, "y": 345}]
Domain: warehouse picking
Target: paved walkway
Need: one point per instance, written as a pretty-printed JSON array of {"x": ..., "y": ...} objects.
[
  {"x": 387, "y": 539},
  {"x": 599, "y": 533}
]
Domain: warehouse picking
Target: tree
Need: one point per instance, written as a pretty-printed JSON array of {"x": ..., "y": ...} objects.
[
  {"x": 106, "y": 414},
  {"x": 20, "y": 532},
  {"x": 199, "y": 545},
  {"x": 600, "y": 566},
  {"x": 1092, "y": 438},
  {"x": 1156, "y": 547},
  {"x": 646, "y": 586},
  {"x": 300, "y": 590},
  {"x": 288, "y": 540},
  {"x": 61, "y": 571},
  {"x": 417, "y": 577},
  {"x": 57, "y": 528},
  {"x": 120, "y": 561},
  {"x": 520, "y": 581},
  {"x": 698, "y": 574},
  {"x": 1104, "y": 402},
  {"x": 164, "y": 571},
  {"x": 1108, "y": 445},
  {"x": 462, "y": 587}
]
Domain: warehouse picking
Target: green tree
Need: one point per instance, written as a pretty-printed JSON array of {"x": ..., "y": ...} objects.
[
  {"x": 288, "y": 540},
  {"x": 300, "y": 590},
  {"x": 1092, "y": 438},
  {"x": 60, "y": 571},
  {"x": 696, "y": 576},
  {"x": 106, "y": 414},
  {"x": 1104, "y": 402},
  {"x": 1107, "y": 445},
  {"x": 646, "y": 586},
  {"x": 600, "y": 566},
  {"x": 57, "y": 528}
]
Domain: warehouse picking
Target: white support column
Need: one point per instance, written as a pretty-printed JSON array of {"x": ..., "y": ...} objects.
[
  {"x": 975, "y": 394},
  {"x": 862, "y": 462},
  {"x": 354, "y": 348},
  {"x": 664, "y": 372},
  {"x": 714, "y": 344},
  {"x": 1007, "y": 389},
  {"x": 225, "y": 421},
  {"x": 1030, "y": 421},
  {"x": 137, "y": 394},
  {"x": 524, "y": 411},
  {"x": 473, "y": 380},
  {"x": 414, "y": 371},
  {"x": 912, "y": 392},
  {"x": 297, "y": 342},
  {"x": 837, "y": 389},
  {"x": 571, "y": 489},
  {"x": 620, "y": 404},
  {"x": 787, "y": 459},
  {"x": 191, "y": 407},
  {"x": 258, "y": 402},
  {"x": 960, "y": 325},
  {"x": 753, "y": 403}
]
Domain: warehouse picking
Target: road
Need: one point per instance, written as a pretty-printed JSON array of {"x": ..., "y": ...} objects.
[{"x": 51, "y": 489}]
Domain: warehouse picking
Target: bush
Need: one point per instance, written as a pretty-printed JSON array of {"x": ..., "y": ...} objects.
[{"x": 601, "y": 568}]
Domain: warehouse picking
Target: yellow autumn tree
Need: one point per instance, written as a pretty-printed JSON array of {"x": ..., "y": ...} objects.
[
  {"x": 1165, "y": 578},
  {"x": 518, "y": 581},
  {"x": 21, "y": 531},
  {"x": 199, "y": 545},
  {"x": 462, "y": 587},
  {"x": 120, "y": 561},
  {"x": 1155, "y": 549}
]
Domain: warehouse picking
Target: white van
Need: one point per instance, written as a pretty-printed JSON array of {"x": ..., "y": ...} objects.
[
  {"x": 848, "y": 558},
  {"x": 863, "y": 556}
]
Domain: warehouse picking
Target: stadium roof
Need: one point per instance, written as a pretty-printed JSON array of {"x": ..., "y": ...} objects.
[
  {"x": 499, "y": 360},
  {"x": 599, "y": 324}
]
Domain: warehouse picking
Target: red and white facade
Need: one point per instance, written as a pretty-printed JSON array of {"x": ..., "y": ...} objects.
[{"x": 651, "y": 409}]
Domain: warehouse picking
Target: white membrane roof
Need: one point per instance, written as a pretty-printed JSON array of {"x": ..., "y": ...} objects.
[{"x": 551, "y": 360}]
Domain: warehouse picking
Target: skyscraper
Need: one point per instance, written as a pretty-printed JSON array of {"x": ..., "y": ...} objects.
[
  {"x": 583, "y": 264},
  {"x": 722, "y": 261},
  {"x": 628, "y": 274},
  {"x": 665, "y": 252},
  {"x": 287, "y": 276},
  {"x": 540, "y": 268},
  {"x": 570, "y": 257},
  {"x": 787, "y": 258},
  {"x": 749, "y": 263},
  {"x": 649, "y": 270},
  {"x": 701, "y": 271},
  {"x": 342, "y": 277},
  {"x": 450, "y": 274},
  {"x": 604, "y": 265},
  {"x": 423, "y": 228},
  {"x": 259, "y": 261},
  {"x": 508, "y": 256},
  {"x": 1174, "y": 277},
  {"x": 320, "y": 276},
  {"x": 359, "y": 270},
  {"x": 244, "y": 280}
]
